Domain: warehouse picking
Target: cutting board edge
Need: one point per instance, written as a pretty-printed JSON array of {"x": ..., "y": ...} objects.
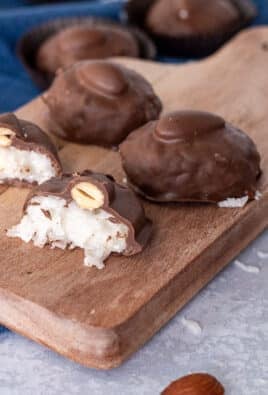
[
  {"x": 254, "y": 221},
  {"x": 33, "y": 321},
  {"x": 116, "y": 344}
]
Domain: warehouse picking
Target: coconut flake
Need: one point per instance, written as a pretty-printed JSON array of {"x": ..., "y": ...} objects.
[
  {"x": 262, "y": 254},
  {"x": 247, "y": 268},
  {"x": 193, "y": 326},
  {"x": 233, "y": 202},
  {"x": 258, "y": 195}
]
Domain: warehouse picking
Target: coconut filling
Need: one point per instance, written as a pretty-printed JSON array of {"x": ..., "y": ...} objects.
[
  {"x": 49, "y": 220},
  {"x": 23, "y": 165}
]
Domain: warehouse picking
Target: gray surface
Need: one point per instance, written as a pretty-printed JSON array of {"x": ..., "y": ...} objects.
[{"x": 233, "y": 345}]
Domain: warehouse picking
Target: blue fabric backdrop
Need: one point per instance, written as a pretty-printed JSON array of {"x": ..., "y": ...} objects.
[{"x": 16, "y": 17}]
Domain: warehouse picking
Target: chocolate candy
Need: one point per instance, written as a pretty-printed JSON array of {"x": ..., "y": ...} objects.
[
  {"x": 76, "y": 43},
  {"x": 88, "y": 210},
  {"x": 98, "y": 102},
  {"x": 191, "y": 156},
  {"x": 191, "y": 27},
  {"x": 27, "y": 155},
  {"x": 62, "y": 41},
  {"x": 185, "y": 17}
]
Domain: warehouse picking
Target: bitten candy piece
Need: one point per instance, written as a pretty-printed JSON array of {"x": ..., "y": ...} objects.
[
  {"x": 88, "y": 210},
  {"x": 190, "y": 156},
  {"x": 27, "y": 155},
  {"x": 77, "y": 43},
  {"x": 98, "y": 102}
]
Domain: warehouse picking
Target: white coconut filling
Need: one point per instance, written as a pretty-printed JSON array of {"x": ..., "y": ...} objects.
[
  {"x": 238, "y": 202},
  {"x": 234, "y": 202},
  {"x": 49, "y": 220},
  {"x": 25, "y": 165}
]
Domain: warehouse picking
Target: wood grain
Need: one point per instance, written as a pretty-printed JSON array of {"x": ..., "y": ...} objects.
[{"x": 98, "y": 318}]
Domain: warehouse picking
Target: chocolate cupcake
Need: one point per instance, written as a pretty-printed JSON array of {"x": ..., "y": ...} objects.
[
  {"x": 27, "y": 155},
  {"x": 191, "y": 156},
  {"x": 99, "y": 102},
  {"x": 89, "y": 211},
  {"x": 190, "y": 27},
  {"x": 62, "y": 42}
]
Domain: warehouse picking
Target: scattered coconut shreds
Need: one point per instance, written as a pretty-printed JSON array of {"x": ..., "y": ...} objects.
[
  {"x": 233, "y": 202},
  {"x": 247, "y": 268},
  {"x": 193, "y": 326},
  {"x": 258, "y": 195},
  {"x": 262, "y": 254}
]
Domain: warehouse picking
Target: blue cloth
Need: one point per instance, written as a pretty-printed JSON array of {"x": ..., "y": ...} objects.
[
  {"x": 16, "y": 17},
  {"x": 15, "y": 85}
]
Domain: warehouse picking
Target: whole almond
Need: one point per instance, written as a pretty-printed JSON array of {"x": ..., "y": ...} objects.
[{"x": 195, "y": 384}]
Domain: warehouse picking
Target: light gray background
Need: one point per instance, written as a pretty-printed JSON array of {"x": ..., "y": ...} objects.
[{"x": 233, "y": 345}]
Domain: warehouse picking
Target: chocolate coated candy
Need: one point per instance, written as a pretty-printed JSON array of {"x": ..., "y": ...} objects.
[
  {"x": 191, "y": 156},
  {"x": 98, "y": 191},
  {"x": 188, "y": 17},
  {"x": 190, "y": 27},
  {"x": 28, "y": 137},
  {"x": 77, "y": 43},
  {"x": 98, "y": 102}
]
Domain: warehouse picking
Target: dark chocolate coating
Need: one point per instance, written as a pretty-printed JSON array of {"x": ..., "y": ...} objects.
[
  {"x": 77, "y": 43},
  {"x": 29, "y": 137},
  {"x": 187, "y": 17},
  {"x": 30, "y": 43},
  {"x": 190, "y": 27},
  {"x": 98, "y": 102},
  {"x": 119, "y": 201},
  {"x": 190, "y": 156}
]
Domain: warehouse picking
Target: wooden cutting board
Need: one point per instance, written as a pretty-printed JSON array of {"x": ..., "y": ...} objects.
[{"x": 99, "y": 317}]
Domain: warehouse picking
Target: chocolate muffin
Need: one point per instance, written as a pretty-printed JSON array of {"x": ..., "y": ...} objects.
[
  {"x": 99, "y": 102},
  {"x": 191, "y": 156},
  {"x": 191, "y": 27},
  {"x": 77, "y": 43}
]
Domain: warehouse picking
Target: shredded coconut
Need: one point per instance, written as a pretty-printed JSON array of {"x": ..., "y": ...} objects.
[
  {"x": 258, "y": 195},
  {"x": 262, "y": 254},
  {"x": 69, "y": 226},
  {"x": 193, "y": 326},
  {"x": 233, "y": 202},
  {"x": 25, "y": 165},
  {"x": 247, "y": 268}
]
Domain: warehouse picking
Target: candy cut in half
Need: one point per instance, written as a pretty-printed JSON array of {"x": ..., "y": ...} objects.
[
  {"x": 89, "y": 211},
  {"x": 27, "y": 155}
]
